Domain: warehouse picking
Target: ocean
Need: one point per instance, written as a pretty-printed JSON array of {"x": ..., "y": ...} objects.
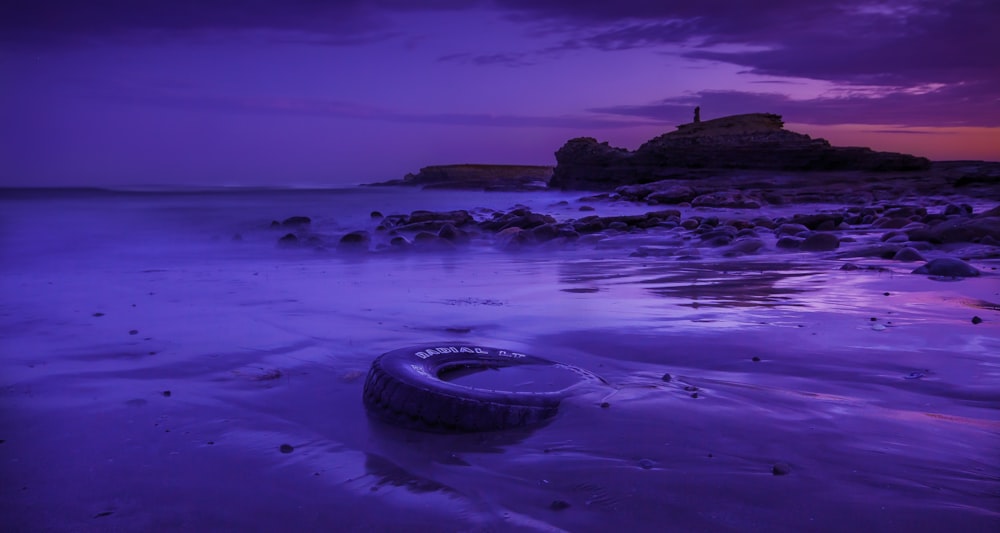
[{"x": 168, "y": 365}]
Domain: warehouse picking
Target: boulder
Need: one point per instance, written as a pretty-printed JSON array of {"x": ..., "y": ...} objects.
[
  {"x": 820, "y": 242},
  {"x": 948, "y": 267},
  {"x": 296, "y": 222},
  {"x": 355, "y": 241}
]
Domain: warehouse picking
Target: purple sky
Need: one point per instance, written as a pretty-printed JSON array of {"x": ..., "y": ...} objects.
[{"x": 297, "y": 92}]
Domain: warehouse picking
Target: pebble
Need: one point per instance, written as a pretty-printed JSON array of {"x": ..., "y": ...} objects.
[
  {"x": 781, "y": 469},
  {"x": 977, "y": 320},
  {"x": 667, "y": 377},
  {"x": 558, "y": 505},
  {"x": 286, "y": 448},
  {"x": 646, "y": 464}
]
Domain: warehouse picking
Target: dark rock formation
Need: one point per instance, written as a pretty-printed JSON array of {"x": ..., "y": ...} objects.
[
  {"x": 752, "y": 141},
  {"x": 488, "y": 177}
]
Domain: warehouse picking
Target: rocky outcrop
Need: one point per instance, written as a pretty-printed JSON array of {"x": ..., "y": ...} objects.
[
  {"x": 488, "y": 177},
  {"x": 752, "y": 141}
]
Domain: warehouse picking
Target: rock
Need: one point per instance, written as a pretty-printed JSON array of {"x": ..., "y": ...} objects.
[
  {"x": 355, "y": 241},
  {"x": 908, "y": 254},
  {"x": 791, "y": 229},
  {"x": 960, "y": 229},
  {"x": 746, "y": 246},
  {"x": 513, "y": 238},
  {"x": 376, "y": 215},
  {"x": 457, "y": 218},
  {"x": 488, "y": 177},
  {"x": 726, "y": 199},
  {"x": 450, "y": 233},
  {"x": 948, "y": 267},
  {"x": 296, "y": 222},
  {"x": 820, "y": 242},
  {"x": 976, "y": 320},
  {"x": 789, "y": 243},
  {"x": 781, "y": 469},
  {"x": 290, "y": 240},
  {"x": 751, "y": 141},
  {"x": 545, "y": 232}
]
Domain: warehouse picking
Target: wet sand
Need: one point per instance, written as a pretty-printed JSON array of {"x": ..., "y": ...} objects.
[{"x": 154, "y": 370}]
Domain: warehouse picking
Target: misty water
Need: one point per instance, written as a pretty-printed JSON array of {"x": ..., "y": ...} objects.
[{"x": 159, "y": 351}]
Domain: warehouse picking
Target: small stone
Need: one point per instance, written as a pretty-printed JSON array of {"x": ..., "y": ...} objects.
[
  {"x": 885, "y": 294},
  {"x": 667, "y": 377},
  {"x": 166, "y": 394},
  {"x": 558, "y": 505},
  {"x": 781, "y": 469},
  {"x": 646, "y": 464},
  {"x": 694, "y": 394},
  {"x": 878, "y": 327},
  {"x": 133, "y": 332},
  {"x": 977, "y": 320},
  {"x": 98, "y": 314},
  {"x": 286, "y": 448},
  {"x": 605, "y": 405},
  {"x": 873, "y": 319},
  {"x": 755, "y": 359}
]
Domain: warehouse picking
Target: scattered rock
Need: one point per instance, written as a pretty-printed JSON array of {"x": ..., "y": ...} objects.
[
  {"x": 781, "y": 469},
  {"x": 820, "y": 242},
  {"x": 290, "y": 240},
  {"x": 977, "y": 320},
  {"x": 558, "y": 505},
  {"x": 355, "y": 241},
  {"x": 947, "y": 267},
  {"x": 908, "y": 254},
  {"x": 296, "y": 222},
  {"x": 286, "y": 448}
]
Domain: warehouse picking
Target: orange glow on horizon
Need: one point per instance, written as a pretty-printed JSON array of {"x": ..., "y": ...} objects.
[{"x": 937, "y": 144}]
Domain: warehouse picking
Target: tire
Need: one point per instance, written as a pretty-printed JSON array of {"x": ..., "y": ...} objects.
[{"x": 404, "y": 387}]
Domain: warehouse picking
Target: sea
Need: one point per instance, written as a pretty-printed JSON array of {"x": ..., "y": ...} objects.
[{"x": 167, "y": 365}]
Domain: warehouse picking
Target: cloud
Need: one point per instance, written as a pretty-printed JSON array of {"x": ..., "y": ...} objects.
[
  {"x": 513, "y": 59},
  {"x": 331, "y": 22},
  {"x": 960, "y": 105},
  {"x": 165, "y": 94}
]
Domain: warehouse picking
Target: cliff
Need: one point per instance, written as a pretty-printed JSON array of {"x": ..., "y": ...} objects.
[
  {"x": 468, "y": 176},
  {"x": 751, "y": 141}
]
